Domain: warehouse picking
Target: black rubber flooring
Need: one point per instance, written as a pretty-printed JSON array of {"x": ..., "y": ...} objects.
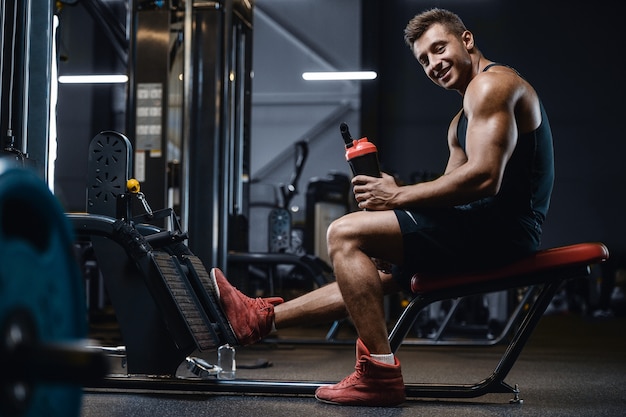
[{"x": 572, "y": 366}]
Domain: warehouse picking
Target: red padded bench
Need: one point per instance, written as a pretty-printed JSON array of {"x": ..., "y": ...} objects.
[
  {"x": 545, "y": 261},
  {"x": 546, "y": 270}
]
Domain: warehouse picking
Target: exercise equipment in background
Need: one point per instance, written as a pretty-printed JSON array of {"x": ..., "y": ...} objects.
[{"x": 280, "y": 222}]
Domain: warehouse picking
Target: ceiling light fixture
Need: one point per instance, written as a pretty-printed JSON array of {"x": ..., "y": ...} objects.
[
  {"x": 339, "y": 75},
  {"x": 93, "y": 79}
]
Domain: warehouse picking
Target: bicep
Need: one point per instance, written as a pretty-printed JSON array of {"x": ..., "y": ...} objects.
[
  {"x": 491, "y": 139},
  {"x": 491, "y": 127}
]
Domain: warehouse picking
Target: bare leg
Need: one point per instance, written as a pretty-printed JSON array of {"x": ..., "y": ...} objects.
[
  {"x": 359, "y": 290},
  {"x": 323, "y": 305},
  {"x": 353, "y": 240}
]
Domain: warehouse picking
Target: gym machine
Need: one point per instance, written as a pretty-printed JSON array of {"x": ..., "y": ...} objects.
[
  {"x": 167, "y": 306},
  {"x": 162, "y": 294}
]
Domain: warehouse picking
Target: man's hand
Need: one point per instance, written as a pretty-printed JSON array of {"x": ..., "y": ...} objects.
[{"x": 373, "y": 193}]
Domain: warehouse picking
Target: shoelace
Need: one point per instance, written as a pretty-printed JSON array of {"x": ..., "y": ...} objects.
[{"x": 355, "y": 376}]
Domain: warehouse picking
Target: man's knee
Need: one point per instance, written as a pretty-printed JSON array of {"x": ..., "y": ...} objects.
[
  {"x": 340, "y": 232},
  {"x": 335, "y": 232}
]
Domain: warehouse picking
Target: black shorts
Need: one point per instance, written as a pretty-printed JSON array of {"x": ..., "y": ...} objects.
[{"x": 461, "y": 239}]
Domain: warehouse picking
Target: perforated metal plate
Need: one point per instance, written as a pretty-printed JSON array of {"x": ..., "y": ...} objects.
[
  {"x": 280, "y": 230},
  {"x": 109, "y": 167}
]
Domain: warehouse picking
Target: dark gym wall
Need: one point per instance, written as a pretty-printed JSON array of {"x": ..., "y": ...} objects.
[{"x": 569, "y": 52}]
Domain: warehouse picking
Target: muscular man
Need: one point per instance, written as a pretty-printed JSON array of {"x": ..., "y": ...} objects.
[{"x": 487, "y": 208}]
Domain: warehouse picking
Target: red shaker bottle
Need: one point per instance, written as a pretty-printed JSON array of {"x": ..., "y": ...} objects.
[{"x": 362, "y": 155}]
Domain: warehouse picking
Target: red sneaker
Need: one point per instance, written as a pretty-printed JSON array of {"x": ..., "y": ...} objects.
[
  {"x": 372, "y": 384},
  {"x": 251, "y": 319}
]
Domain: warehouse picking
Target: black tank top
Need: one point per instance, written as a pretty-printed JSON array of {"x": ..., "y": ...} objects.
[{"x": 524, "y": 195}]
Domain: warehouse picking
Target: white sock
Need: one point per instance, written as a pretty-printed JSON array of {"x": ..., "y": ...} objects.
[{"x": 388, "y": 358}]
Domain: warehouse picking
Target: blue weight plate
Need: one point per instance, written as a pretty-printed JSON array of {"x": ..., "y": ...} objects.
[{"x": 39, "y": 275}]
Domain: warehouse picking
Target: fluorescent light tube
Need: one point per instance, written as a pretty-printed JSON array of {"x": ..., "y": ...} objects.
[
  {"x": 337, "y": 75},
  {"x": 93, "y": 79}
]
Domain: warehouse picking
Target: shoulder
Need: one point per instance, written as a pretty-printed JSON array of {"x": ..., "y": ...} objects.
[
  {"x": 495, "y": 87},
  {"x": 501, "y": 90}
]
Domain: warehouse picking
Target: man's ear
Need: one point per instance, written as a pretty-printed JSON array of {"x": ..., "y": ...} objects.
[{"x": 468, "y": 40}]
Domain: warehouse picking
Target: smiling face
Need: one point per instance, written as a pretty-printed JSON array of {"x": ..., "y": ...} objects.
[{"x": 445, "y": 57}]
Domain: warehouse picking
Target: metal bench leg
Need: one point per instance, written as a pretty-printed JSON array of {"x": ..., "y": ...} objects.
[{"x": 495, "y": 382}]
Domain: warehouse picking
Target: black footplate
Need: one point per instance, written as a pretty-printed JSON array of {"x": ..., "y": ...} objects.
[
  {"x": 206, "y": 292},
  {"x": 188, "y": 305}
]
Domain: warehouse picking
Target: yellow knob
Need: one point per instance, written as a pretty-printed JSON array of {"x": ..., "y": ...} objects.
[{"x": 132, "y": 185}]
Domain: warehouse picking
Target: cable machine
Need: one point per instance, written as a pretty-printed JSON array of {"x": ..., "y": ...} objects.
[
  {"x": 216, "y": 139},
  {"x": 189, "y": 116},
  {"x": 25, "y": 70}
]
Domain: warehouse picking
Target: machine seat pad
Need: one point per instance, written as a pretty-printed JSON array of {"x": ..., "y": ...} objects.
[{"x": 580, "y": 254}]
